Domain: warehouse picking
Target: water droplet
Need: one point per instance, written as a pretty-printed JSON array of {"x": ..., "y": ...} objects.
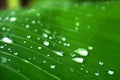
[
  {"x": 28, "y": 36},
  {"x": 12, "y": 19},
  {"x": 15, "y": 54},
  {"x": 9, "y": 59},
  {"x": 1, "y": 47},
  {"x": 38, "y": 38},
  {"x": 48, "y": 55},
  {"x": 59, "y": 53},
  {"x": 101, "y": 63},
  {"x": 82, "y": 51},
  {"x": 7, "y": 40},
  {"x": 77, "y": 59},
  {"x": 50, "y": 37},
  {"x": 110, "y": 72},
  {"x": 33, "y": 22},
  {"x": 31, "y": 46},
  {"x": 97, "y": 73},
  {"x": 77, "y": 24},
  {"x": 46, "y": 43},
  {"x": 3, "y": 60},
  {"x": 44, "y": 61},
  {"x": 52, "y": 66},
  {"x": 3, "y": 28},
  {"x": 63, "y": 39},
  {"x": 39, "y": 47},
  {"x": 90, "y": 47},
  {"x": 29, "y": 58},
  {"x": 24, "y": 42},
  {"x": 86, "y": 71},
  {"x": 45, "y": 35},
  {"x": 27, "y": 26}
]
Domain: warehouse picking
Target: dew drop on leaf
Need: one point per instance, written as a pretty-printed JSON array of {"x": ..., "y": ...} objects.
[
  {"x": 101, "y": 63},
  {"x": 3, "y": 28},
  {"x": 52, "y": 66},
  {"x": 45, "y": 35},
  {"x": 3, "y": 60},
  {"x": 110, "y": 72},
  {"x": 27, "y": 26},
  {"x": 81, "y": 51},
  {"x": 46, "y": 43},
  {"x": 77, "y": 59},
  {"x": 90, "y": 47},
  {"x": 97, "y": 73},
  {"x": 15, "y": 54},
  {"x": 59, "y": 53},
  {"x": 33, "y": 22},
  {"x": 6, "y": 40},
  {"x": 28, "y": 36},
  {"x": 12, "y": 19},
  {"x": 39, "y": 47}
]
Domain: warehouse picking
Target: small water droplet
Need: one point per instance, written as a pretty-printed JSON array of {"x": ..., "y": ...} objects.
[
  {"x": 46, "y": 43},
  {"x": 44, "y": 61},
  {"x": 77, "y": 59},
  {"x": 90, "y": 47},
  {"x": 52, "y": 66},
  {"x": 33, "y": 22},
  {"x": 59, "y": 53},
  {"x": 48, "y": 55},
  {"x": 82, "y": 51},
  {"x": 1, "y": 47},
  {"x": 28, "y": 36},
  {"x": 45, "y": 35},
  {"x": 39, "y": 47},
  {"x": 29, "y": 58},
  {"x": 110, "y": 72},
  {"x": 63, "y": 39},
  {"x": 38, "y": 38},
  {"x": 101, "y": 63},
  {"x": 27, "y": 26},
  {"x": 15, "y": 54},
  {"x": 12, "y": 19},
  {"x": 97, "y": 73},
  {"x": 77, "y": 24},
  {"x": 3, "y": 28},
  {"x": 50, "y": 37},
  {"x": 24, "y": 42},
  {"x": 6, "y": 40}
]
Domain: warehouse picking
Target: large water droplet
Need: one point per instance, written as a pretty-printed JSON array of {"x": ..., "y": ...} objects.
[
  {"x": 6, "y": 40},
  {"x": 12, "y": 19},
  {"x": 82, "y": 51}
]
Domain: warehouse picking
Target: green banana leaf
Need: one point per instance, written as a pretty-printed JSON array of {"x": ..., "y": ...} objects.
[{"x": 61, "y": 40}]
